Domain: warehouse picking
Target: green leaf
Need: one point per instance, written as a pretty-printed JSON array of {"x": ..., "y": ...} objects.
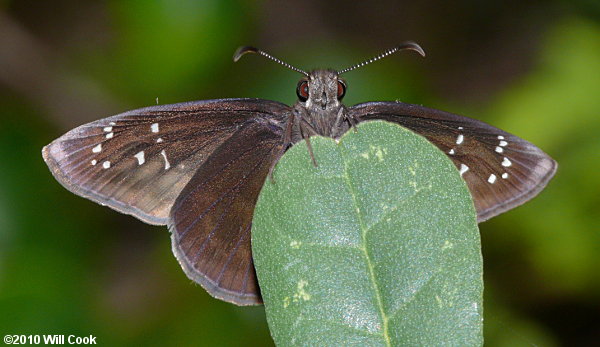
[{"x": 376, "y": 246}]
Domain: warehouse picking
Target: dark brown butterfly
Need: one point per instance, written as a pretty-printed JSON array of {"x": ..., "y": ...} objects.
[{"x": 198, "y": 167}]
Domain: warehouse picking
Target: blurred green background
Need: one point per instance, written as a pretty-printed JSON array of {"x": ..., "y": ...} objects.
[{"x": 69, "y": 266}]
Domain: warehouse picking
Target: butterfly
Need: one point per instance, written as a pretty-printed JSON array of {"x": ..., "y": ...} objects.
[{"x": 199, "y": 166}]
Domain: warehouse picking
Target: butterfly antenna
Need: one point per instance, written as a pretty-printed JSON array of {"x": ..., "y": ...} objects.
[
  {"x": 248, "y": 49},
  {"x": 409, "y": 45}
]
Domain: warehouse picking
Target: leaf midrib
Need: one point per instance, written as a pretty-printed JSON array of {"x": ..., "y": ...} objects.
[{"x": 364, "y": 230}]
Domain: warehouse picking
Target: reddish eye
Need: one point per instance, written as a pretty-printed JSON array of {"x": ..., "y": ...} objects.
[
  {"x": 341, "y": 90},
  {"x": 302, "y": 90}
]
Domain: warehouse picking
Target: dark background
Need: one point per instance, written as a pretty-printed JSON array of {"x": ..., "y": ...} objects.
[{"x": 69, "y": 266}]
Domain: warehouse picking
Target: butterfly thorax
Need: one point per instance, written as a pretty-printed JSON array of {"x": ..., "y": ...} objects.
[{"x": 319, "y": 110}]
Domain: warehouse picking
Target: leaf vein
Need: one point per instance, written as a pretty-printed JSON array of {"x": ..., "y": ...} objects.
[
  {"x": 325, "y": 245},
  {"x": 412, "y": 297},
  {"x": 394, "y": 208},
  {"x": 363, "y": 228}
]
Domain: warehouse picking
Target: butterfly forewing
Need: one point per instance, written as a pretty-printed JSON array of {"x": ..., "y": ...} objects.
[
  {"x": 501, "y": 170},
  {"x": 211, "y": 220},
  {"x": 139, "y": 161}
]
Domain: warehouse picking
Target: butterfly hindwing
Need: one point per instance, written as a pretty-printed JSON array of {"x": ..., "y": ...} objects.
[
  {"x": 211, "y": 220},
  {"x": 502, "y": 171},
  {"x": 138, "y": 162}
]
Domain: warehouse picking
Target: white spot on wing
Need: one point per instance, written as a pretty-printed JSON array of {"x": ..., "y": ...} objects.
[
  {"x": 110, "y": 135},
  {"x": 112, "y": 123},
  {"x": 164, "y": 154},
  {"x": 499, "y": 149},
  {"x": 106, "y": 164},
  {"x": 107, "y": 129},
  {"x": 159, "y": 140},
  {"x": 97, "y": 149},
  {"x": 463, "y": 169},
  {"x": 94, "y": 162},
  {"x": 503, "y": 143},
  {"x": 460, "y": 128},
  {"x": 154, "y": 127},
  {"x": 451, "y": 151},
  {"x": 140, "y": 157},
  {"x": 459, "y": 139},
  {"x": 500, "y": 137},
  {"x": 492, "y": 178},
  {"x": 505, "y": 175},
  {"x": 506, "y": 162}
]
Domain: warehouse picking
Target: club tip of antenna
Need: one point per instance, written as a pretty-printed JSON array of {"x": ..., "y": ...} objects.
[
  {"x": 413, "y": 46},
  {"x": 243, "y": 50}
]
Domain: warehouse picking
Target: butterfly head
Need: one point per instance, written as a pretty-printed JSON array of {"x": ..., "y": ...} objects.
[{"x": 322, "y": 89}]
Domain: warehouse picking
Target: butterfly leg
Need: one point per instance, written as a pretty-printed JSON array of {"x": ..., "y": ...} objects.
[
  {"x": 306, "y": 130},
  {"x": 341, "y": 116},
  {"x": 339, "y": 127},
  {"x": 307, "y": 138},
  {"x": 353, "y": 120}
]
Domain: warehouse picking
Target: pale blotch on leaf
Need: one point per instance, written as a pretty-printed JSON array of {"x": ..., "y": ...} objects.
[
  {"x": 447, "y": 245},
  {"x": 301, "y": 293},
  {"x": 378, "y": 152},
  {"x": 413, "y": 168},
  {"x": 286, "y": 302},
  {"x": 295, "y": 244},
  {"x": 418, "y": 189},
  {"x": 413, "y": 184},
  {"x": 439, "y": 301}
]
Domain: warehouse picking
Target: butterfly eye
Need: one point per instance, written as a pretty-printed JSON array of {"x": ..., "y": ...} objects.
[
  {"x": 341, "y": 90},
  {"x": 302, "y": 91}
]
